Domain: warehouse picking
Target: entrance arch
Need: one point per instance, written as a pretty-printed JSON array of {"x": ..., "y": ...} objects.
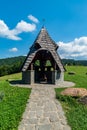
[{"x": 43, "y": 65}]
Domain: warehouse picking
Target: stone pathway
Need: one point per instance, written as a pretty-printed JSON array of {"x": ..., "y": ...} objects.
[{"x": 43, "y": 111}]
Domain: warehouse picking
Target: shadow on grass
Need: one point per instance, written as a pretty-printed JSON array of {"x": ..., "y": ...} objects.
[{"x": 13, "y": 82}]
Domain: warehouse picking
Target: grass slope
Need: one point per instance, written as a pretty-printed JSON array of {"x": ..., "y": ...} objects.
[
  {"x": 76, "y": 113},
  {"x": 80, "y": 77},
  {"x": 16, "y": 76},
  {"x": 13, "y": 104}
]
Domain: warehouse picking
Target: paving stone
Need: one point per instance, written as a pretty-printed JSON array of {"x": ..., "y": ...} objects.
[
  {"x": 30, "y": 127},
  {"x": 57, "y": 126},
  {"x": 32, "y": 114},
  {"x": 48, "y": 114},
  {"x": 32, "y": 106},
  {"x": 63, "y": 121},
  {"x": 33, "y": 120},
  {"x": 50, "y": 107},
  {"x": 21, "y": 127},
  {"x": 39, "y": 114},
  {"x": 43, "y": 111},
  {"x": 24, "y": 122},
  {"x": 66, "y": 127},
  {"x": 39, "y": 108},
  {"x": 53, "y": 118},
  {"x": 61, "y": 115},
  {"x": 25, "y": 115},
  {"x": 44, "y": 120},
  {"x": 40, "y": 103},
  {"x": 44, "y": 127}
]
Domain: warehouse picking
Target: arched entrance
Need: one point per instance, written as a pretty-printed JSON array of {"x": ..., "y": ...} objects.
[{"x": 43, "y": 65}]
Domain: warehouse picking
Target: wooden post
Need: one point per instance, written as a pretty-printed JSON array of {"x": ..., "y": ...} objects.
[
  {"x": 55, "y": 66},
  {"x": 31, "y": 66}
]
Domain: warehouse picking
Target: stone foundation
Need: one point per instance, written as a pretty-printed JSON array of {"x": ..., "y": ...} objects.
[
  {"x": 31, "y": 77},
  {"x": 57, "y": 77},
  {"x": 28, "y": 77}
]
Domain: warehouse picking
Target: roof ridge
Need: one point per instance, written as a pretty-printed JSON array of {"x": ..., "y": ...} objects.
[{"x": 44, "y": 37}]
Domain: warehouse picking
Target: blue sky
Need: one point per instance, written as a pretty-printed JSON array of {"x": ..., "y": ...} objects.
[{"x": 65, "y": 20}]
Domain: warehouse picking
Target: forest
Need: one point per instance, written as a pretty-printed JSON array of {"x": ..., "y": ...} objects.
[
  {"x": 14, "y": 64},
  {"x": 11, "y": 65}
]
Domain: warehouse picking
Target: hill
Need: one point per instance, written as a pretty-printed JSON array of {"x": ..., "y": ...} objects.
[
  {"x": 14, "y": 64},
  {"x": 12, "y": 60},
  {"x": 74, "y": 62},
  {"x": 11, "y": 65}
]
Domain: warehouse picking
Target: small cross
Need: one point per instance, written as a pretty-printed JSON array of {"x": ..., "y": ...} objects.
[{"x": 43, "y": 22}]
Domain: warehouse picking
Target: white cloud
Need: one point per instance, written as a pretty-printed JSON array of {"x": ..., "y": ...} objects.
[
  {"x": 13, "y": 49},
  {"x": 3, "y": 27},
  {"x": 76, "y": 49},
  {"x": 25, "y": 27},
  {"x": 25, "y": 55},
  {"x": 32, "y": 18},
  {"x": 21, "y": 27}
]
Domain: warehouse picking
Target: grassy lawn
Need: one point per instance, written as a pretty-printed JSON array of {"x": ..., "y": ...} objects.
[
  {"x": 76, "y": 113},
  {"x": 16, "y": 76},
  {"x": 80, "y": 77},
  {"x": 12, "y": 104}
]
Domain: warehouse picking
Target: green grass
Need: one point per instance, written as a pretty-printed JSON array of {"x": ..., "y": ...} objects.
[
  {"x": 16, "y": 76},
  {"x": 76, "y": 113},
  {"x": 80, "y": 77},
  {"x": 13, "y": 103}
]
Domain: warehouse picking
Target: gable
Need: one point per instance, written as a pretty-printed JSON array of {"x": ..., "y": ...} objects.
[{"x": 43, "y": 41}]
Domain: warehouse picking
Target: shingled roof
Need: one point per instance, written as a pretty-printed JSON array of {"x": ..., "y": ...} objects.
[{"x": 44, "y": 41}]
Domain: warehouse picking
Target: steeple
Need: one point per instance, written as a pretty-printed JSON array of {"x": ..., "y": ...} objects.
[
  {"x": 43, "y": 23},
  {"x": 43, "y": 41}
]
